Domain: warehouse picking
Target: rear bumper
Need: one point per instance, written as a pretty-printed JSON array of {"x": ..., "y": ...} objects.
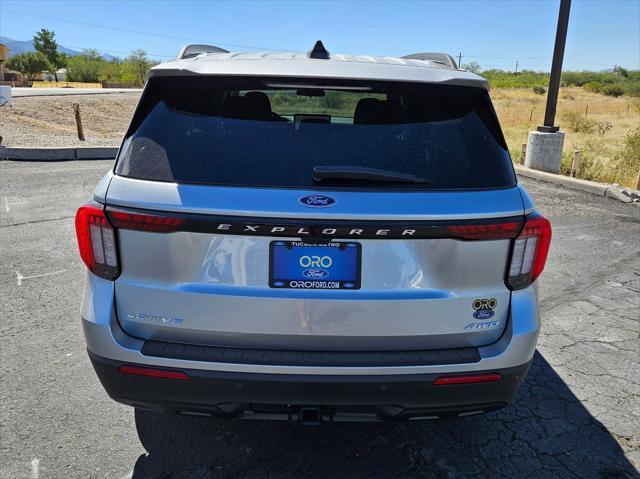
[
  {"x": 227, "y": 394},
  {"x": 390, "y": 388}
]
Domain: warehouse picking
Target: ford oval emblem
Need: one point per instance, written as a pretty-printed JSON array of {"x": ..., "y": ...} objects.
[
  {"x": 316, "y": 201},
  {"x": 315, "y": 273},
  {"x": 483, "y": 314}
]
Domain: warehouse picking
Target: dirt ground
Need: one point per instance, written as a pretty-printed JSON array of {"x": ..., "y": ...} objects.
[{"x": 48, "y": 121}]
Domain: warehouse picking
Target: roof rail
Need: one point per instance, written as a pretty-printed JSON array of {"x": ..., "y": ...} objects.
[
  {"x": 441, "y": 58},
  {"x": 189, "y": 51}
]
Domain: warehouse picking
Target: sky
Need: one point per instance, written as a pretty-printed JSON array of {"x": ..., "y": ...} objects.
[{"x": 493, "y": 33}]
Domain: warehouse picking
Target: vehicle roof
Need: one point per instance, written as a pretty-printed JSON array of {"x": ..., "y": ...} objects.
[{"x": 299, "y": 65}]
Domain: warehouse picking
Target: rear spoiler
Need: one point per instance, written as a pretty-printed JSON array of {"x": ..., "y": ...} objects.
[
  {"x": 441, "y": 58},
  {"x": 189, "y": 51}
]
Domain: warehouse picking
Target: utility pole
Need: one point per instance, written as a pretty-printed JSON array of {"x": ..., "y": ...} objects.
[
  {"x": 556, "y": 69},
  {"x": 459, "y": 59},
  {"x": 544, "y": 146},
  {"x": 516, "y": 66}
]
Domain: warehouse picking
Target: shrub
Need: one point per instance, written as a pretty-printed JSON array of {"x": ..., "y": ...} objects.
[
  {"x": 632, "y": 88},
  {"x": 539, "y": 90},
  {"x": 603, "y": 126},
  {"x": 593, "y": 86},
  {"x": 612, "y": 90},
  {"x": 578, "y": 123},
  {"x": 626, "y": 162},
  {"x": 589, "y": 168}
]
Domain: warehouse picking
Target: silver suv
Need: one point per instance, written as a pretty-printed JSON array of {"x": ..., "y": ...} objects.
[{"x": 313, "y": 238}]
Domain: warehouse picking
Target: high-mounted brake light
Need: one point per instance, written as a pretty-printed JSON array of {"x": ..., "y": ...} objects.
[
  {"x": 96, "y": 241},
  {"x": 529, "y": 253}
]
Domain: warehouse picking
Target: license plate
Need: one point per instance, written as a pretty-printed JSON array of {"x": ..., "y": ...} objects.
[{"x": 300, "y": 265}]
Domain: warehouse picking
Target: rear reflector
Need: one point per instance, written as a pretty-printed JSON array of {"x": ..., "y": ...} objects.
[
  {"x": 153, "y": 373},
  {"x": 475, "y": 378},
  {"x": 529, "y": 253},
  {"x": 96, "y": 241}
]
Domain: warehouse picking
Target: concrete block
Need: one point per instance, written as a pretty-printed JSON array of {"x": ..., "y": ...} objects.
[
  {"x": 619, "y": 194},
  {"x": 544, "y": 151}
]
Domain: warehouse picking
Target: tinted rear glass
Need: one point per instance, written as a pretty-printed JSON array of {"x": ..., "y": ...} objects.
[{"x": 272, "y": 132}]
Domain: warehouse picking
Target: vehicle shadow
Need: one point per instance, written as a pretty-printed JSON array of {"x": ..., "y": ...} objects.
[{"x": 545, "y": 433}]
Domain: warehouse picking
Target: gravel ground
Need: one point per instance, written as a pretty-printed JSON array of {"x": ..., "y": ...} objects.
[{"x": 46, "y": 122}]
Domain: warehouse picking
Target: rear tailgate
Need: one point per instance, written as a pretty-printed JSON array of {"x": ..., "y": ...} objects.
[{"x": 208, "y": 282}]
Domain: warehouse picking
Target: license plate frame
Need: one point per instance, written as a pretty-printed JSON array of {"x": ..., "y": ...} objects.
[{"x": 284, "y": 275}]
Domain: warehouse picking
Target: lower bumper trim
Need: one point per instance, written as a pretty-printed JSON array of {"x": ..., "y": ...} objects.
[
  {"x": 217, "y": 354},
  {"x": 229, "y": 394}
]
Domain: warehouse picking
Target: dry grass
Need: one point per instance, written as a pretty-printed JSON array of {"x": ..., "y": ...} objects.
[{"x": 515, "y": 107}]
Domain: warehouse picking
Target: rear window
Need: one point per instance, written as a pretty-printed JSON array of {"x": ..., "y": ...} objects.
[{"x": 274, "y": 132}]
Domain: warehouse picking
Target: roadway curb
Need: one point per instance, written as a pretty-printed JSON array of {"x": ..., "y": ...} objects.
[
  {"x": 58, "y": 154},
  {"x": 626, "y": 195}
]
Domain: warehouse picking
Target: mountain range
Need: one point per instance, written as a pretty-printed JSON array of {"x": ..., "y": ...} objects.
[{"x": 20, "y": 46}]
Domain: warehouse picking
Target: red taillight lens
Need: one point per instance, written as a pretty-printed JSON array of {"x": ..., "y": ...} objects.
[
  {"x": 474, "y": 378},
  {"x": 529, "y": 253},
  {"x": 153, "y": 373},
  {"x": 144, "y": 221},
  {"x": 97, "y": 242},
  {"x": 486, "y": 232}
]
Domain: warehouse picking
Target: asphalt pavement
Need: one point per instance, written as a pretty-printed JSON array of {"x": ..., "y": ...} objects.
[{"x": 577, "y": 415}]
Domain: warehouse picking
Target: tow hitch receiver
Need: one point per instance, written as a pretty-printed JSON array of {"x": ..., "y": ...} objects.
[{"x": 310, "y": 416}]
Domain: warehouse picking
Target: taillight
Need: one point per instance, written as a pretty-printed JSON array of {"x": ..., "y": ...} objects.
[
  {"x": 144, "y": 221},
  {"x": 97, "y": 242},
  {"x": 495, "y": 231},
  {"x": 529, "y": 253}
]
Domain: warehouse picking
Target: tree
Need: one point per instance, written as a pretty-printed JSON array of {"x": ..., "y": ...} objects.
[
  {"x": 86, "y": 67},
  {"x": 621, "y": 72},
  {"x": 472, "y": 67},
  {"x": 111, "y": 70},
  {"x": 136, "y": 66},
  {"x": 44, "y": 42},
  {"x": 30, "y": 64}
]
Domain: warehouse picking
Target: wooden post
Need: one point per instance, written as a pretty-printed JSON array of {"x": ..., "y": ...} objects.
[
  {"x": 638, "y": 181},
  {"x": 586, "y": 111},
  {"x": 523, "y": 153},
  {"x": 575, "y": 165},
  {"x": 76, "y": 111},
  {"x": 530, "y": 116}
]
